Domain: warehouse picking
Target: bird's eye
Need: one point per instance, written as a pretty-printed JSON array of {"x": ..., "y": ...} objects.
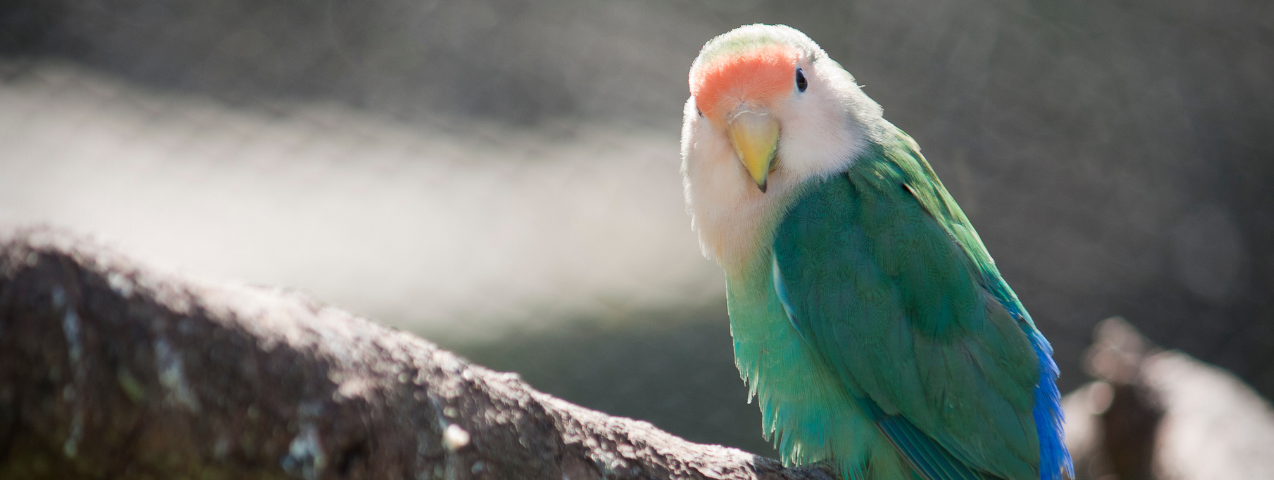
[
  {"x": 700, "y": 112},
  {"x": 800, "y": 79}
]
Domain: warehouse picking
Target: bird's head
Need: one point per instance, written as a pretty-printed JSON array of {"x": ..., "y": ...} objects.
[
  {"x": 768, "y": 110},
  {"x": 743, "y": 83},
  {"x": 775, "y": 97}
]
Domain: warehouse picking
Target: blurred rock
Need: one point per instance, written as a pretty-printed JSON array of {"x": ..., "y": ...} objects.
[{"x": 1163, "y": 415}]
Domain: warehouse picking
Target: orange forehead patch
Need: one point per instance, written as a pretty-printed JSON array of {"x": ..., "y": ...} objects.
[{"x": 756, "y": 76}]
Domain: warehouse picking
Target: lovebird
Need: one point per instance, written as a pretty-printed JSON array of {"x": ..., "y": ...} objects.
[{"x": 868, "y": 319}]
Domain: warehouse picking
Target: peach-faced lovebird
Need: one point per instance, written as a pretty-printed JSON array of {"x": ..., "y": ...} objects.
[{"x": 868, "y": 319}]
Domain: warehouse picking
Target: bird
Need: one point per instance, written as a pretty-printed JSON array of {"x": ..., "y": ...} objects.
[{"x": 868, "y": 319}]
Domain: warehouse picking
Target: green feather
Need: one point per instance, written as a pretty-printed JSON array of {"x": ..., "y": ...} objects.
[{"x": 875, "y": 331}]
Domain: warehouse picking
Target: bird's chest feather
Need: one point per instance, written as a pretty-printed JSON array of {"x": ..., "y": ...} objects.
[{"x": 801, "y": 398}]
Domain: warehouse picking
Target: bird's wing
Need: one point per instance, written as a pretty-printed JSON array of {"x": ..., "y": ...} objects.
[{"x": 885, "y": 279}]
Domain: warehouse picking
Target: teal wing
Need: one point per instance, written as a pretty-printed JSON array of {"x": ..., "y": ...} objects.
[{"x": 882, "y": 275}]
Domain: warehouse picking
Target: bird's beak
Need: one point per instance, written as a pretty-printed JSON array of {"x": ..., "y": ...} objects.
[{"x": 755, "y": 137}]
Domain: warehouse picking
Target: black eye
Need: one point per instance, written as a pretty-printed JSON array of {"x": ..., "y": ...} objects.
[
  {"x": 800, "y": 79},
  {"x": 700, "y": 111}
]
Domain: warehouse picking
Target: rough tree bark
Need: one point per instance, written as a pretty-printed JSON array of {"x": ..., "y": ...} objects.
[{"x": 108, "y": 370}]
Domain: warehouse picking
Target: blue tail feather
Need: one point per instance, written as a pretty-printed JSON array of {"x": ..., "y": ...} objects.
[{"x": 1054, "y": 459}]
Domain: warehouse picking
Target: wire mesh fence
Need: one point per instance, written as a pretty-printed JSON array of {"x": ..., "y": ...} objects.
[{"x": 502, "y": 175}]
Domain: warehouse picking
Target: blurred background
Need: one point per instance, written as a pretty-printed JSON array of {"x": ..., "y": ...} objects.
[{"x": 501, "y": 176}]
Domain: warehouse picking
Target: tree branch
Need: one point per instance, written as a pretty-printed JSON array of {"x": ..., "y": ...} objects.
[{"x": 110, "y": 370}]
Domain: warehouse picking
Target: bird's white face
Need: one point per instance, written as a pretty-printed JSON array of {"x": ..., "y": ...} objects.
[{"x": 767, "y": 112}]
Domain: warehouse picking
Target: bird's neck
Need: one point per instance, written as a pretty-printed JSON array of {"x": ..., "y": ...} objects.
[
  {"x": 738, "y": 233},
  {"x": 735, "y": 221}
]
